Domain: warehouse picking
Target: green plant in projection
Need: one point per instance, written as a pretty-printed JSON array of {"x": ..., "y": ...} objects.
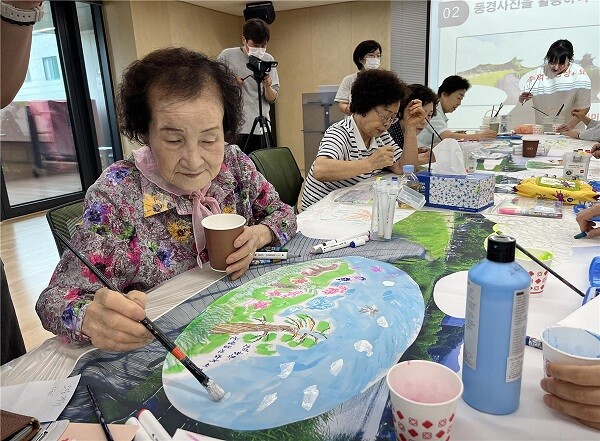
[{"x": 493, "y": 78}]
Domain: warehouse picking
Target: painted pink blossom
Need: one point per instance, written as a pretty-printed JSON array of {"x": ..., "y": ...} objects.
[
  {"x": 335, "y": 290},
  {"x": 274, "y": 293},
  {"x": 260, "y": 304},
  {"x": 301, "y": 281},
  {"x": 376, "y": 269}
]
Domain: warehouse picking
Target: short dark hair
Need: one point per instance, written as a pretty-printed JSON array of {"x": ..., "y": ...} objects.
[
  {"x": 376, "y": 87},
  {"x": 256, "y": 30},
  {"x": 559, "y": 52},
  {"x": 177, "y": 73},
  {"x": 452, "y": 84},
  {"x": 363, "y": 48},
  {"x": 419, "y": 92}
]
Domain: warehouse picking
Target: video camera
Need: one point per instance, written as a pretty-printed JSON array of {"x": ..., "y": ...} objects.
[{"x": 260, "y": 68}]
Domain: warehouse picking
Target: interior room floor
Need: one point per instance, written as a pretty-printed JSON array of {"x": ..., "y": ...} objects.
[{"x": 29, "y": 254}]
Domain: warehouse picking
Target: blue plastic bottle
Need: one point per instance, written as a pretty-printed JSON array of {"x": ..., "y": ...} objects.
[{"x": 495, "y": 328}]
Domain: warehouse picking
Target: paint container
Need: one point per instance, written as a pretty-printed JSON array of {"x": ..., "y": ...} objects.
[
  {"x": 496, "y": 312},
  {"x": 552, "y": 123},
  {"x": 424, "y": 398},
  {"x": 574, "y": 346}
]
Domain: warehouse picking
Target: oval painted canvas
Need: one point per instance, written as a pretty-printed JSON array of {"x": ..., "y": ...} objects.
[{"x": 296, "y": 342}]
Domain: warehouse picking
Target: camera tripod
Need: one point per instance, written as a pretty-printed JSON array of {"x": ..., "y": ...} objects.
[{"x": 266, "y": 137}]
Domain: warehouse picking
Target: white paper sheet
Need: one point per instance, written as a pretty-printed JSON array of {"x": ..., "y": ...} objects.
[{"x": 44, "y": 400}]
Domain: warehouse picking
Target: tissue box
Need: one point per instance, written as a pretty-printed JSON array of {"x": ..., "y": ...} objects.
[{"x": 474, "y": 192}]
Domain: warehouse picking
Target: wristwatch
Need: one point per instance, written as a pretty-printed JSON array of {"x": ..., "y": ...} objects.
[{"x": 21, "y": 17}]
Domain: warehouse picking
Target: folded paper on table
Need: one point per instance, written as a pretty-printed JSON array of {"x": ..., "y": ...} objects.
[
  {"x": 44, "y": 400},
  {"x": 471, "y": 193}
]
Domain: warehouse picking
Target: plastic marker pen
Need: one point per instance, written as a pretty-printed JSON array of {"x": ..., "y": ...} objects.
[
  {"x": 580, "y": 235},
  {"x": 533, "y": 342},
  {"x": 281, "y": 255},
  {"x": 340, "y": 245},
  {"x": 151, "y": 425},
  {"x": 264, "y": 261},
  {"x": 335, "y": 241},
  {"x": 141, "y": 434},
  {"x": 358, "y": 242}
]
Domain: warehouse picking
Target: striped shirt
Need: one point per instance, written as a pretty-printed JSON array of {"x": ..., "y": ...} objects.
[
  {"x": 572, "y": 88},
  {"x": 342, "y": 141}
]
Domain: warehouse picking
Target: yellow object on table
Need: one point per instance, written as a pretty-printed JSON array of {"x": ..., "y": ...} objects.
[{"x": 569, "y": 192}]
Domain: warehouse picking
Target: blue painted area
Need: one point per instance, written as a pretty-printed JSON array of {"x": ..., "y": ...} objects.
[
  {"x": 453, "y": 321},
  {"x": 251, "y": 377}
]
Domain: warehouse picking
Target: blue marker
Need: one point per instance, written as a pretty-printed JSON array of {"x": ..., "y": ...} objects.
[
  {"x": 533, "y": 342},
  {"x": 580, "y": 235},
  {"x": 264, "y": 261}
]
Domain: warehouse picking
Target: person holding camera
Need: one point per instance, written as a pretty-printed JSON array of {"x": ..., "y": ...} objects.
[{"x": 255, "y": 36}]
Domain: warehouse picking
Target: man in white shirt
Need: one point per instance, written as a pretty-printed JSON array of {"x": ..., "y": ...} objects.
[{"x": 255, "y": 36}]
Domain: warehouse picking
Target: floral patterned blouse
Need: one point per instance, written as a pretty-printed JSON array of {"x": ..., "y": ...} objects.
[{"x": 131, "y": 230}]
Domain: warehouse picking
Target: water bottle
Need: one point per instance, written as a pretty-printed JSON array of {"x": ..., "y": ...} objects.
[
  {"x": 495, "y": 328},
  {"x": 410, "y": 180}
]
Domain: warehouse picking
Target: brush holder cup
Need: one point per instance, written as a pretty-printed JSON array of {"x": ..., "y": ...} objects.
[{"x": 552, "y": 123}]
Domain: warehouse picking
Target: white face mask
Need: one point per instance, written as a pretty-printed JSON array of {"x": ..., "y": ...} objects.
[
  {"x": 372, "y": 63},
  {"x": 258, "y": 52}
]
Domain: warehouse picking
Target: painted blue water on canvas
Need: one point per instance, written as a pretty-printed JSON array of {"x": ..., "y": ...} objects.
[{"x": 296, "y": 342}]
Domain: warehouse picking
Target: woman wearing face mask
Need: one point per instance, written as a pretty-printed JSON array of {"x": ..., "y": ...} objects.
[
  {"x": 255, "y": 36},
  {"x": 559, "y": 81},
  {"x": 367, "y": 55}
]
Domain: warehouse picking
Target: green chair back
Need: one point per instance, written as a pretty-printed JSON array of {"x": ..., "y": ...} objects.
[
  {"x": 64, "y": 219},
  {"x": 279, "y": 167}
]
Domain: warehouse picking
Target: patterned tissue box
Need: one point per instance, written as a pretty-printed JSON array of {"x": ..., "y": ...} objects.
[{"x": 474, "y": 192}]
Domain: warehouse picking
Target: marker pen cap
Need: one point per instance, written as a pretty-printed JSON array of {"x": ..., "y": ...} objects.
[{"x": 358, "y": 242}]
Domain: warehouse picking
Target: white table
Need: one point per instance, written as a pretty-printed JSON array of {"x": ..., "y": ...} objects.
[{"x": 328, "y": 219}]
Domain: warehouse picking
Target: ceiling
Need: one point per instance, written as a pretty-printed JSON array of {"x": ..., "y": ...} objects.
[{"x": 236, "y": 7}]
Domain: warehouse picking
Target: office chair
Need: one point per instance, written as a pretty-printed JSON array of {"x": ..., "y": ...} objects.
[
  {"x": 279, "y": 167},
  {"x": 64, "y": 219}
]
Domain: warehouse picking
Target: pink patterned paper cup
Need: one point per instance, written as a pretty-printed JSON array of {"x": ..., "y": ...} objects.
[
  {"x": 424, "y": 397},
  {"x": 538, "y": 274}
]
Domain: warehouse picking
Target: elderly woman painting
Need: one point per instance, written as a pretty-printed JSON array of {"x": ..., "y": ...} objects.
[
  {"x": 141, "y": 219},
  {"x": 406, "y": 129},
  {"x": 359, "y": 146}
]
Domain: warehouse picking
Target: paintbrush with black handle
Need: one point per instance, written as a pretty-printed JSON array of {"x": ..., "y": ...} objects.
[{"x": 215, "y": 391}]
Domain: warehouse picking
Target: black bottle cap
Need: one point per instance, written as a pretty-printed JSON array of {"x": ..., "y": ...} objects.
[{"x": 501, "y": 248}]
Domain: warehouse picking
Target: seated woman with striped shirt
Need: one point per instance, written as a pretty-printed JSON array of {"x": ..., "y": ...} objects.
[{"x": 359, "y": 146}]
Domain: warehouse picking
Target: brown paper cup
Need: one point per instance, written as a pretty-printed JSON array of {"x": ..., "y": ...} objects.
[
  {"x": 530, "y": 148},
  {"x": 220, "y": 231}
]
